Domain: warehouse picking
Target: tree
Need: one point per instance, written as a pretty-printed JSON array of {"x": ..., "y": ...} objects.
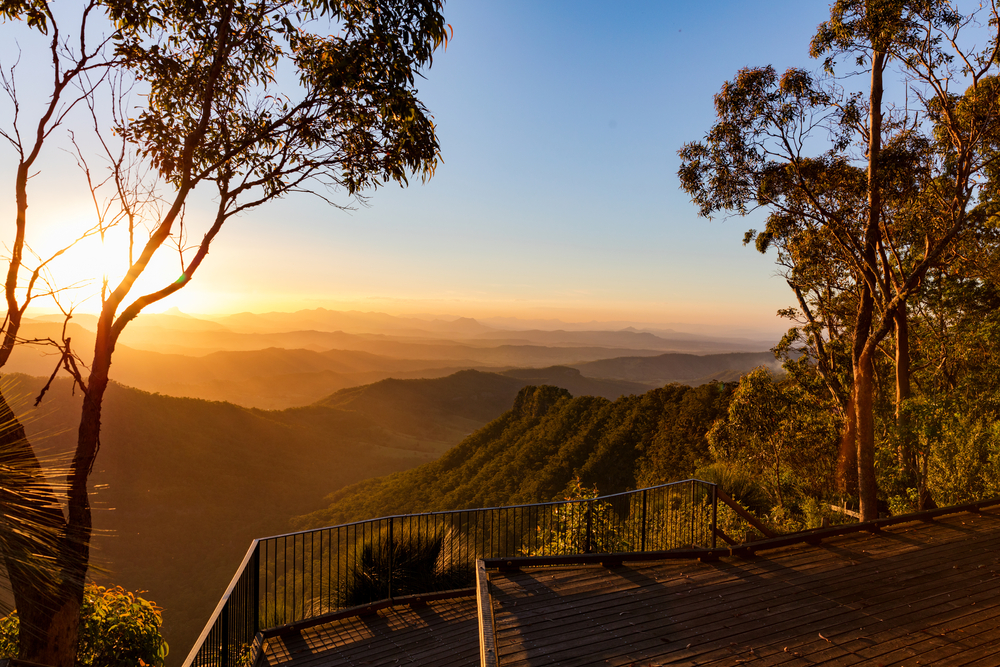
[
  {"x": 776, "y": 432},
  {"x": 893, "y": 189},
  {"x": 216, "y": 112}
]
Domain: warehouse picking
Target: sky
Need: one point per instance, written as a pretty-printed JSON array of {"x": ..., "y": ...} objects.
[{"x": 557, "y": 198}]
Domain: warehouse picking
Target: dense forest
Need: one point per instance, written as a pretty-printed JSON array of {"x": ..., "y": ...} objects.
[{"x": 533, "y": 453}]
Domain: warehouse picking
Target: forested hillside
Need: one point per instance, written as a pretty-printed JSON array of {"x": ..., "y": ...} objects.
[
  {"x": 182, "y": 486},
  {"x": 532, "y": 453}
]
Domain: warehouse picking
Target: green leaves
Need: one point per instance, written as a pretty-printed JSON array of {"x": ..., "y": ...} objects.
[
  {"x": 117, "y": 629},
  {"x": 33, "y": 12},
  {"x": 218, "y": 112}
]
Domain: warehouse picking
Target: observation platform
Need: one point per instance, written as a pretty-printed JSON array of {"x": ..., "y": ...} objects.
[{"x": 922, "y": 592}]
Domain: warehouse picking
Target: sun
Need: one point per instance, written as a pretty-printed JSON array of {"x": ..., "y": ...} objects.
[{"x": 73, "y": 265}]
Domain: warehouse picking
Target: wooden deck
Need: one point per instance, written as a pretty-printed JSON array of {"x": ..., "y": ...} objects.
[
  {"x": 921, "y": 593},
  {"x": 443, "y": 633},
  {"x": 912, "y": 594}
]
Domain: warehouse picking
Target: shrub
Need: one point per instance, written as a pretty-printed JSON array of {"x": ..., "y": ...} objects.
[
  {"x": 566, "y": 533},
  {"x": 117, "y": 629},
  {"x": 413, "y": 563}
]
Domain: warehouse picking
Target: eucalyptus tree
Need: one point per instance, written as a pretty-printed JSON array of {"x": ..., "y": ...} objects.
[
  {"x": 767, "y": 432},
  {"x": 216, "y": 112},
  {"x": 890, "y": 187}
]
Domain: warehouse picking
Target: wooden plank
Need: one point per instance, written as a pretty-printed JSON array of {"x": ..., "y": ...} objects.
[
  {"x": 384, "y": 638},
  {"x": 891, "y": 604},
  {"x": 918, "y": 598},
  {"x": 888, "y": 632},
  {"x": 800, "y": 648},
  {"x": 916, "y": 570}
]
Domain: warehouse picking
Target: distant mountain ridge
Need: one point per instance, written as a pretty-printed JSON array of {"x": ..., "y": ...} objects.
[
  {"x": 321, "y": 319},
  {"x": 682, "y": 368},
  {"x": 180, "y": 355},
  {"x": 623, "y": 339}
]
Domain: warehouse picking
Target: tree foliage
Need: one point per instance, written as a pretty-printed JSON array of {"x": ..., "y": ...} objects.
[
  {"x": 864, "y": 198},
  {"x": 117, "y": 629},
  {"x": 252, "y": 101},
  {"x": 776, "y": 432}
]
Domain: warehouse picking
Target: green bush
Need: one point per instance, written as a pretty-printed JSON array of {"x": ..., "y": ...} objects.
[
  {"x": 739, "y": 484},
  {"x": 566, "y": 533},
  {"x": 963, "y": 460},
  {"x": 117, "y": 629}
]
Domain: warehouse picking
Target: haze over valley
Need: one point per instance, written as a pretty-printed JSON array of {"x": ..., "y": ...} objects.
[{"x": 283, "y": 360}]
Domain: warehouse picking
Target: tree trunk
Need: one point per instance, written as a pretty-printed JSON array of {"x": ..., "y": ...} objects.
[
  {"x": 48, "y": 592},
  {"x": 847, "y": 456},
  {"x": 50, "y": 626},
  {"x": 905, "y": 451},
  {"x": 864, "y": 371},
  {"x": 864, "y": 381}
]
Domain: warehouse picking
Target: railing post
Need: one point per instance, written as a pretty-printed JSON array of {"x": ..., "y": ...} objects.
[
  {"x": 643, "y": 548},
  {"x": 691, "y": 513},
  {"x": 715, "y": 513},
  {"x": 255, "y": 588},
  {"x": 392, "y": 545},
  {"x": 590, "y": 525}
]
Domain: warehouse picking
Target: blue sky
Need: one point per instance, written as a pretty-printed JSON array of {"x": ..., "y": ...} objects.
[{"x": 559, "y": 125}]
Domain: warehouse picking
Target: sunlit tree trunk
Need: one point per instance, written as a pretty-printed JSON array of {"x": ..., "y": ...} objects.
[
  {"x": 847, "y": 455},
  {"x": 864, "y": 371},
  {"x": 903, "y": 391},
  {"x": 34, "y": 539}
]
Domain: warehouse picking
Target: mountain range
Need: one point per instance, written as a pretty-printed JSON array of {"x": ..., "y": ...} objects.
[
  {"x": 269, "y": 368},
  {"x": 182, "y": 486},
  {"x": 219, "y": 431},
  {"x": 533, "y": 451}
]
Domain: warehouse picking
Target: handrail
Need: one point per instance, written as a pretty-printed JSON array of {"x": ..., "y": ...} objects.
[
  {"x": 294, "y": 577},
  {"x": 489, "y": 509},
  {"x": 746, "y": 516},
  {"x": 224, "y": 599}
]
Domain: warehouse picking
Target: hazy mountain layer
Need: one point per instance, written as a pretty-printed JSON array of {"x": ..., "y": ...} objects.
[
  {"x": 636, "y": 340},
  {"x": 321, "y": 319},
  {"x": 532, "y": 452},
  {"x": 684, "y": 368}
]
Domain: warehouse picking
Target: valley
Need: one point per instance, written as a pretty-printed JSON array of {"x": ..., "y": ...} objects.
[{"x": 241, "y": 427}]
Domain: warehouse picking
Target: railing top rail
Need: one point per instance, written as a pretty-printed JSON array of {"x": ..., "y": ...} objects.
[
  {"x": 222, "y": 603},
  {"x": 481, "y": 509}
]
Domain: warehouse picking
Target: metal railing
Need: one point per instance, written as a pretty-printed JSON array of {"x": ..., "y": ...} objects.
[{"x": 300, "y": 576}]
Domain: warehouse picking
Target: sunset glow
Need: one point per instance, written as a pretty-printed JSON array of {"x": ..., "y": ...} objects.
[{"x": 556, "y": 198}]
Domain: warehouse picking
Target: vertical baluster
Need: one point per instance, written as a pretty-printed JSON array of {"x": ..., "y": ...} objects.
[
  {"x": 255, "y": 592},
  {"x": 392, "y": 550},
  {"x": 715, "y": 513}
]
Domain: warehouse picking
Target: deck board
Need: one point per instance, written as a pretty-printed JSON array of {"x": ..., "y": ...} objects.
[
  {"x": 443, "y": 633},
  {"x": 912, "y": 594}
]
